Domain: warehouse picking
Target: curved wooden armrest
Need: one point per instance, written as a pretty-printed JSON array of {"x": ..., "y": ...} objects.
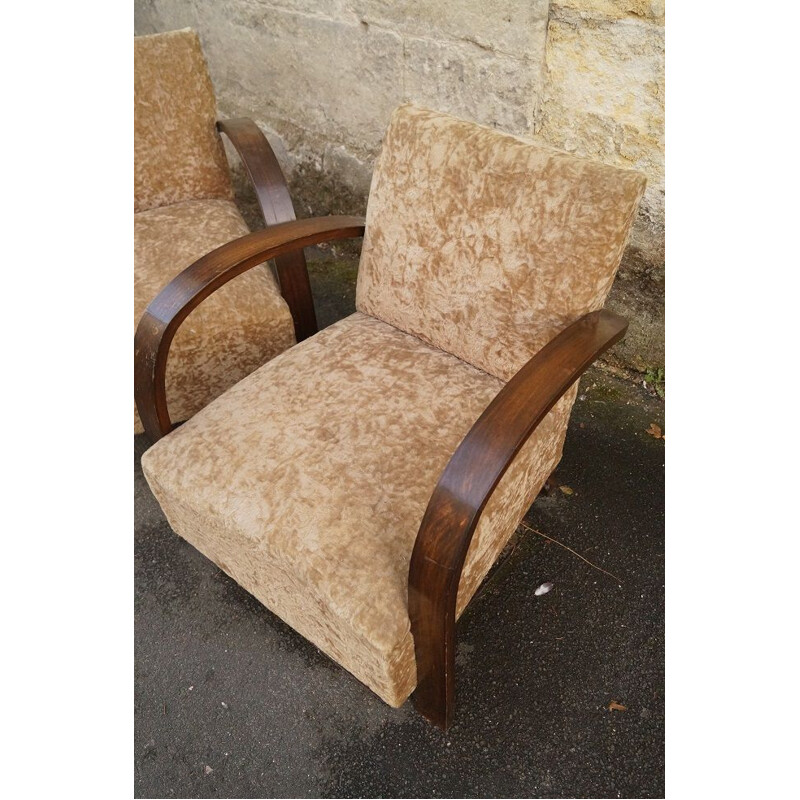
[
  {"x": 273, "y": 196},
  {"x": 187, "y": 290},
  {"x": 467, "y": 483}
]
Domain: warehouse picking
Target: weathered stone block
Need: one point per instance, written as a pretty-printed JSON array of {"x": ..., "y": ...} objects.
[
  {"x": 337, "y": 80},
  {"x": 471, "y": 83},
  {"x": 611, "y": 70},
  {"x": 510, "y": 27},
  {"x": 604, "y": 99},
  {"x": 155, "y": 16},
  {"x": 652, "y": 10},
  {"x": 330, "y": 9},
  {"x": 355, "y": 174}
]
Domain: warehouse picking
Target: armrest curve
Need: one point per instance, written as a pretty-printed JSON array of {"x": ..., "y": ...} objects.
[
  {"x": 188, "y": 289},
  {"x": 262, "y": 168},
  {"x": 467, "y": 483},
  {"x": 276, "y": 205}
]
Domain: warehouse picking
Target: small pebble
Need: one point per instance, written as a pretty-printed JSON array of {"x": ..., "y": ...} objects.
[{"x": 543, "y": 589}]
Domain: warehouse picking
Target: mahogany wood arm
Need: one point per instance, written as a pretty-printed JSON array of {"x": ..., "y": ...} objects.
[
  {"x": 464, "y": 488},
  {"x": 187, "y": 290},
  {"x": 276, "y": 206}
]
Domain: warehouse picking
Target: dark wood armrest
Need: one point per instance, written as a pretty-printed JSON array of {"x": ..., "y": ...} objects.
[
  {"x": 187, "y": 290},
  {"x": 466, "y": 485},
  {"x": 276, "y": 206}
]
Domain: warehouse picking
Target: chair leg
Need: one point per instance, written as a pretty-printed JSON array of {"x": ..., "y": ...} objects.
[
  {"x": 432, "y": 594},
  {"x": 550, "y": 485},
  {"x": 434, "y": 629}
]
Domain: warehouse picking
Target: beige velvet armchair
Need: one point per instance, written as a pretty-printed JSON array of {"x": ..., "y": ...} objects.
[
  {"x": 183, "y": 208},
  {"x": 361, "y": 484}
]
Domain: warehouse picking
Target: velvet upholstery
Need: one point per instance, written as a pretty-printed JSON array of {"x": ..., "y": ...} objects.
[
  {"x": 178, "y": 154},
  {"x": 236, "y": 330},
  {"x": 487, "y": 245},
  {"x": 307, "y": 481},
  {"x": 184, "y": 209}
]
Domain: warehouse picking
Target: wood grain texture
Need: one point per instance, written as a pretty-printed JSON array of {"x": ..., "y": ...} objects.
[
  {"x": 187, "y": 290},
  {"x": 463, "y": 490},
  {"x": 275, "y": 200}
]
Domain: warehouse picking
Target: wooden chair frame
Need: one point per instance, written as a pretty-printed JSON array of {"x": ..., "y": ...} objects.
[
  {"x": 473, "y": 471},
  {"x": 273, "y": 196}
]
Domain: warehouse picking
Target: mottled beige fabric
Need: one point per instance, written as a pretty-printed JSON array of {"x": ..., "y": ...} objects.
[
  {"x": 307, "y": 481},
  {"x": 183, "y": 196},
  {"x": 487, "y": 245},
  {"x": 226, "y": 337},
  {"x": 178, "y": 152}
]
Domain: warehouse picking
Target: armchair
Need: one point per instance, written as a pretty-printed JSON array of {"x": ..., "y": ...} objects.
[
  {"x": 362, "y": 484},
  {"x": 183, "y": 207}
]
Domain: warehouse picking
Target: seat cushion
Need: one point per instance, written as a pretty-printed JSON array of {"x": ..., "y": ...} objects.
[
  {"x": 178, "y": 154},
  {"x": 487, "y": 245},
  {"x": 230, "y": 334},
  {"x": 307, "y": 482}
]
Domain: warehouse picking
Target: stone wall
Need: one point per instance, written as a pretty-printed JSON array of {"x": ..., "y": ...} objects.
[{"x": 321, "y": 78}]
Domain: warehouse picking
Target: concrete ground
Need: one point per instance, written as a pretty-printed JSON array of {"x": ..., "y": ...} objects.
[{"x": 230, "y": 702}]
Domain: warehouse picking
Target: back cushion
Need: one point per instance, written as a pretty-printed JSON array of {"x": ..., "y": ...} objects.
[
  {"x": 486, "y": 245},
  {"x": 178, "y": 153}
]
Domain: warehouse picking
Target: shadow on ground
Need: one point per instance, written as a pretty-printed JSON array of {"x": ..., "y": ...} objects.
[{"x": 230, "y": 702}]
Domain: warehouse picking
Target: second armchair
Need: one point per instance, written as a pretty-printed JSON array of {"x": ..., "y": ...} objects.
[{"x": 183, "y": 208}]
